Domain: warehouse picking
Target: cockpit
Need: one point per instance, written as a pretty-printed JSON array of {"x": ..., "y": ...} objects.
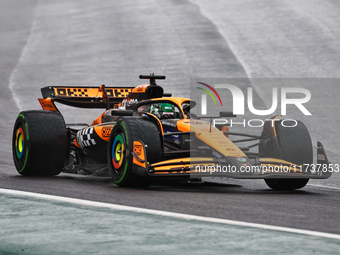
[
  {"x": 167, "y": 109},
  {"x": 162, "y": 110}
]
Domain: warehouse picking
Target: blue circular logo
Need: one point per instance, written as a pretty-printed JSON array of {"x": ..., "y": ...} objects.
[{"x": 241, "y": 159}]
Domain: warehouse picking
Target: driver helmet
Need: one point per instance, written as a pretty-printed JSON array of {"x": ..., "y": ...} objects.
[{"x": 162, "y": 109}]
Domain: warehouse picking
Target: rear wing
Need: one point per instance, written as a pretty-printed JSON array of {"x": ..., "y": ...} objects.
[{"x": 82, "y": 97}]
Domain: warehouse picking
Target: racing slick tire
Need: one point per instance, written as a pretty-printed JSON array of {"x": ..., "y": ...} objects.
[
  {"x": 120, "y": 148},
  {"x": 39, "y": 143},
  {"x": 295, "y": 145}
]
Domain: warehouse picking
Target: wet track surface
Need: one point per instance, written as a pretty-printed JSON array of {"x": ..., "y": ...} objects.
[{"x": 91, "y": 43}]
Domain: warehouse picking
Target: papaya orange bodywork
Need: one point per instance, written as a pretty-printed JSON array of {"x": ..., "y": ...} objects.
[
  {"x": 140, "y": 88},
  {"x": 104, "y": 132},
  {"x": 91, "y": 92},
  {"x": 159, "y": 122},
  {"x": 98, "y": 120},
  {"x": 173, "y": 164},
  {"x": 181, "y": 160},
  {"x": 138, "y": 148},
  {"x": 210, "y": 136},
  {"x": 76, "y": 143},
  {"x": 47, "y": 104}
]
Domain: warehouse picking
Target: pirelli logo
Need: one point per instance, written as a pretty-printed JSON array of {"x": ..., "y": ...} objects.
[{"x": 91, "y": 92}]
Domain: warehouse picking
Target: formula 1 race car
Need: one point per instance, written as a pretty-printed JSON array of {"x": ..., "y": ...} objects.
[{"x": 145, "y": 134}]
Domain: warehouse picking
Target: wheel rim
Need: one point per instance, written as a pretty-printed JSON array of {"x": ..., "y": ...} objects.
[
  {"x": 20, "y": 147},
  {"x": 19, "y": 143},
  {"x": 118, "y": 152}
]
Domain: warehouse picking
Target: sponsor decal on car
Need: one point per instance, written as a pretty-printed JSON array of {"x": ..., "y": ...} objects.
[
  {"x": 106, "y": 131},
  {"x": 137, "y": 149},
  {"x": 241, "y": 159},
  {"x": 91, "y": 92},
  {"x": 84, "y": 138}
]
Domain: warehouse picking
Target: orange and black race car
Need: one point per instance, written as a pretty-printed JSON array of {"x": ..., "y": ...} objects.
[{"x": 145, "y": 134}]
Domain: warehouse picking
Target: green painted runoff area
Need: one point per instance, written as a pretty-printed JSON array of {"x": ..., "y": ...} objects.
[{"x": 40, "y": 226}]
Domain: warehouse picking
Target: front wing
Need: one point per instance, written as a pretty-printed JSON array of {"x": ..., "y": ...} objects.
[{"x": 238, "y": 168}]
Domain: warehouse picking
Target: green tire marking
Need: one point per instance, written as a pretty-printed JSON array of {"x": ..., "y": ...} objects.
[
  {"x": 22, "y": 116},
  {"x": 121, "y": 178},
  {"x": 127, "y": 139},
  {"x": 26, "y": 131},
  {"x": 126, "y": 159},
  {"x": 23, "y": 167},
  {"x": 16, "y": 151}
]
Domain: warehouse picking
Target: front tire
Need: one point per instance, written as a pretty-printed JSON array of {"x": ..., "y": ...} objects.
[
  {"x": 39, "y": 143},
  {"x": 294, "y": 145},
  {"x": 120, "y": 148}
]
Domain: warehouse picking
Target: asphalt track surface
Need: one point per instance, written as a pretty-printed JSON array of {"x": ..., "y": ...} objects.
[{"x": 95, "y": 42}]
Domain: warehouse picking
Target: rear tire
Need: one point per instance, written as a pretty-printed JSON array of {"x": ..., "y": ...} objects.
[
  {"x": 295, "y": 146},
  {"x": 120, "y": 158},
  {"x": 39, "y": 143}
]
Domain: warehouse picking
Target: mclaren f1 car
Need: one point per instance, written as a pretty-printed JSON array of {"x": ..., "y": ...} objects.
[{"x": 145, "y": 135}]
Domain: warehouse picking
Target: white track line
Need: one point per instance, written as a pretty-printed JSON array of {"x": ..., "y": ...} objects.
[
  {"x": 248, "y": 71},
  {"x": 167, "y": 214},
  {"x": 325, "y": 187},
  {"x": 15, "y": 70}
]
